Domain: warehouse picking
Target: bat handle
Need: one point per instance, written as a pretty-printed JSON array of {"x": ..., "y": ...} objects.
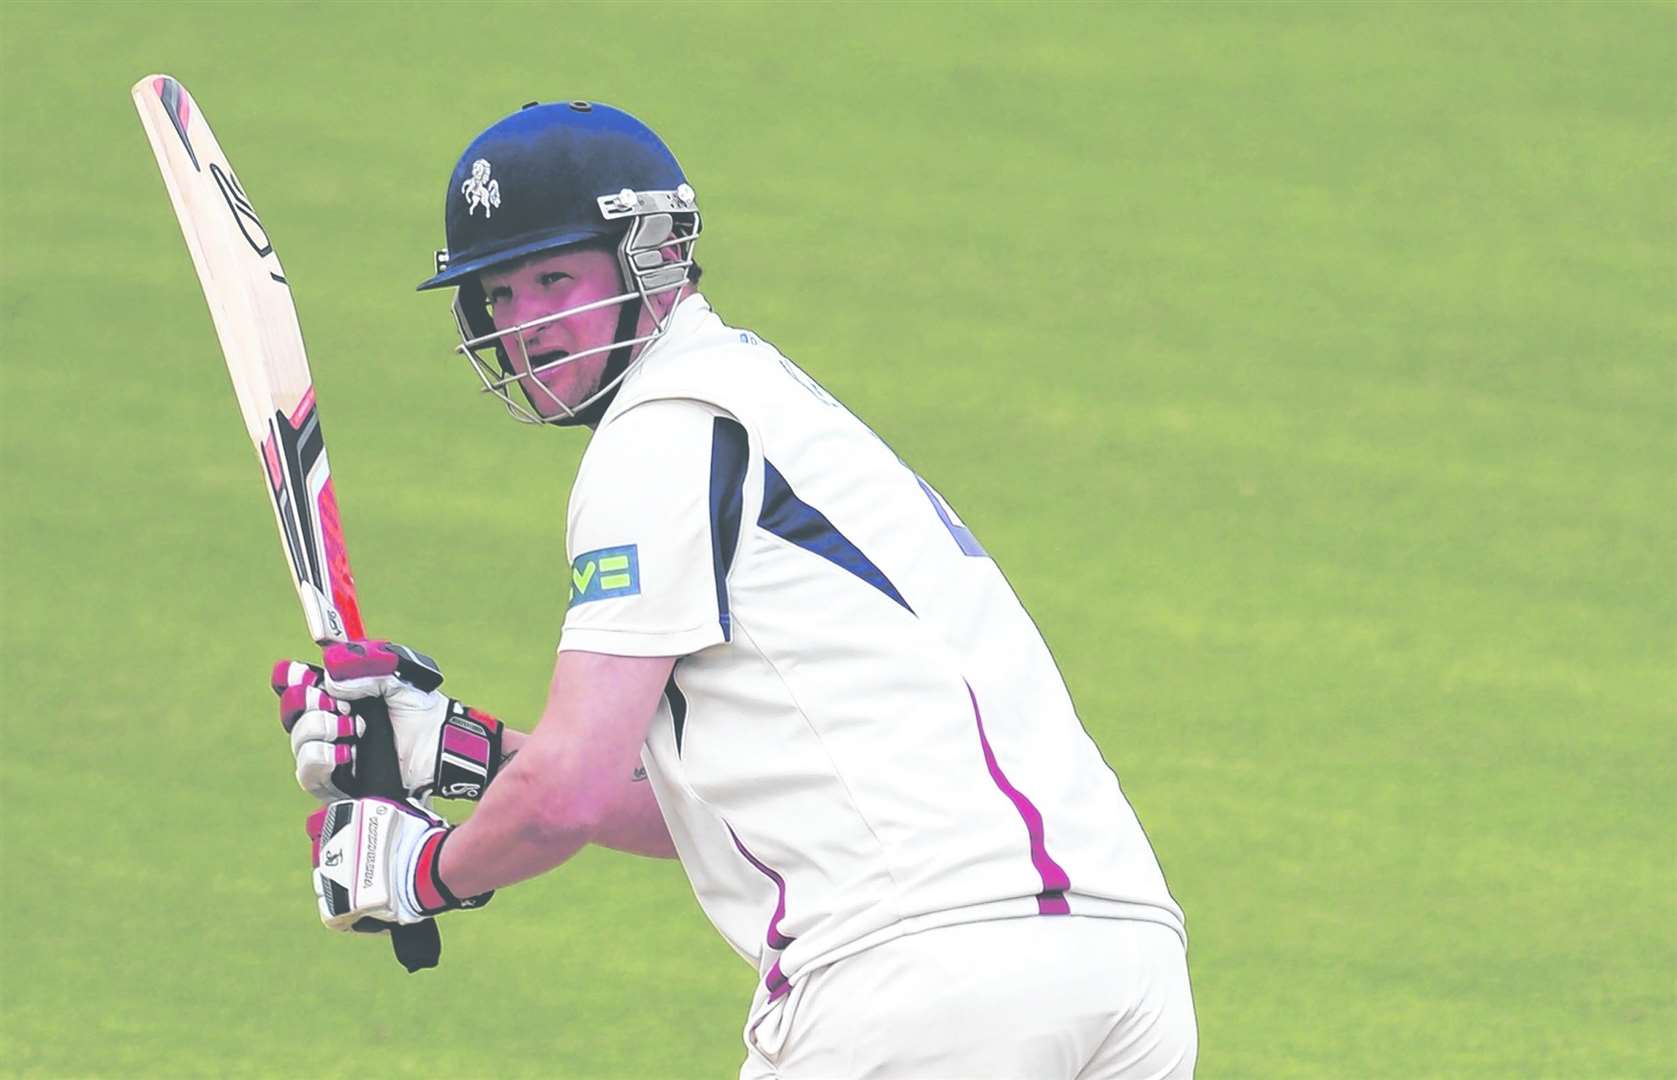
[{"x": 379, "y": 772}]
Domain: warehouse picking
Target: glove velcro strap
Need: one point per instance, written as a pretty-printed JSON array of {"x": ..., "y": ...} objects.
[
  {"x": 434, "y": 897},
  {"x": 468, "y": 753}
]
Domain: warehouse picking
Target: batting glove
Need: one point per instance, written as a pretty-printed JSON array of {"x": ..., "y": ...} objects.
[
  {"x": 375, "y": 863},
  {"x": 444, "y": 747}
]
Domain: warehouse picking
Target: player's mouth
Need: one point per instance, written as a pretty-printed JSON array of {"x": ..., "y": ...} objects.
[{"x": 543, "y": 359}]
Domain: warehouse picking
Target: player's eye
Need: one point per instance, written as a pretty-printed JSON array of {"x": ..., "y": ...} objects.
[{"x": 553, "y": 277}]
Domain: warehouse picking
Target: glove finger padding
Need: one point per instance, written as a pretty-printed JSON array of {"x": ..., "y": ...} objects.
[
  {"x": 300, "y": 700},
  {"x": 323, "y": 740},
  {"x": 325, "y": 768},
  {"x": 295, "y": 673}
]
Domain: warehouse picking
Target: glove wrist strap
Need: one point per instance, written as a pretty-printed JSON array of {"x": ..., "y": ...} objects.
[
  {"x": 468, "y": 753},
  {"x": 434, "y": 897}
]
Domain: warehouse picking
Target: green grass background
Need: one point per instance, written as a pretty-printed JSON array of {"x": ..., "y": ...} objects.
[{"x": 1309, "y": 368}]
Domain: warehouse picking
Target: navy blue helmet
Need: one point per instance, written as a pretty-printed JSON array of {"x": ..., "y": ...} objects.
[
  {"x": 533, "y": 182},
  {"x": 547, "y": 177}
]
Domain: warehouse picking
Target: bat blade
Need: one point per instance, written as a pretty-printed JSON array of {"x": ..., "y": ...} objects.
[
  {"x": 256, "y": 321},
  {"x": 262, "y": 341}
]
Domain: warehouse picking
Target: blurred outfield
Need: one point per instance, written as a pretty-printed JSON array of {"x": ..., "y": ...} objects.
[{"x": 1310, "y": 370}]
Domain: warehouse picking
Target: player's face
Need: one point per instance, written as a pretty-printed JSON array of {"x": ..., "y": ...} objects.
[{"x": 541, "y": 286}]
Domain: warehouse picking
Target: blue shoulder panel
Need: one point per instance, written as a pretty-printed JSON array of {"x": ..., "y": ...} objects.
[{"x": 793, "y": 520}]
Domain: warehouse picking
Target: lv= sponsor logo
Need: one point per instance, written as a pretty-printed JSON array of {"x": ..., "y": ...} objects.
[{"x": 605, "y": 574}]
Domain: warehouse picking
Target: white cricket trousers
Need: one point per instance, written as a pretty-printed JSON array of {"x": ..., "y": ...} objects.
[{"x": 1045, "y": 998}]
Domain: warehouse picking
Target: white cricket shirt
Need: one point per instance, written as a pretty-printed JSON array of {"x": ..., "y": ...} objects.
[{"x": 866, "y": 735}]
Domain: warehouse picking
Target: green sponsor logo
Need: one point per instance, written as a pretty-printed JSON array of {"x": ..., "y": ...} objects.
[{"x": 605, "y": 574}]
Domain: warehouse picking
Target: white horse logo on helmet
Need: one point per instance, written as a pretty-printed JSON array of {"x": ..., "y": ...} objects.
[{"x": 480, "y": 190}]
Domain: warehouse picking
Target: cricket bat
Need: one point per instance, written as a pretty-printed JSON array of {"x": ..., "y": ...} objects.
[{"x": 262, "y": 341}]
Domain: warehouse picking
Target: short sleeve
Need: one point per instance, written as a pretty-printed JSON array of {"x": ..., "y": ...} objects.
[{"x": 653, "y": 523}]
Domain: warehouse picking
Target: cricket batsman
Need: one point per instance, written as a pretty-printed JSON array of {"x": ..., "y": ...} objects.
[{"x": 785, "y": 662}]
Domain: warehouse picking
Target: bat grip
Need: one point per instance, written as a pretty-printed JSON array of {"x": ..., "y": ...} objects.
[{"x": 379, "y": 772}]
